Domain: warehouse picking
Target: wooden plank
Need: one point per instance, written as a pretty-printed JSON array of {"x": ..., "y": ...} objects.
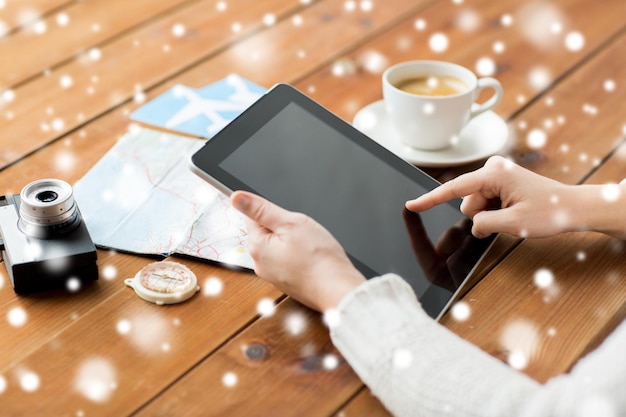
[
  {"x": 405, "y": 42},
  {"x": 323, "y": 33},
  {"x": 287, "y": 371},
  {"x": 15, "y": 13},
  {"x": 510, "y": 315},
  {"x": 123, "y": 351},
  {"x": 345, "y": 95},
  {"x": 612, "y": 171},
  {"x": 89, "y": 24},
  {"x": 49, "y": 106},
  {"x": 31, "y": 120},
  {"x": 578, "y": 119},
  {"x": 364, "y": 405},
  {"x": 70, "y": 158},
  {"x": 49, "y": 313}
]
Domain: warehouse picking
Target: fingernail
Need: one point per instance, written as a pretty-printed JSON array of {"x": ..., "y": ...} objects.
[{"x": 241, "y": 202}]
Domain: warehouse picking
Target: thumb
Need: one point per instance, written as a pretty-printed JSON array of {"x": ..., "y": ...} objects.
[
  {"x": 258, "y": 209},
  {"x": 495, "y": 221}
]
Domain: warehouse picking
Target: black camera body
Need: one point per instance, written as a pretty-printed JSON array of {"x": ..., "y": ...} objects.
[{"x": 45, "y": 243}]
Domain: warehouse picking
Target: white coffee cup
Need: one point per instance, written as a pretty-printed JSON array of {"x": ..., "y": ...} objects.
[{"x": 433, "y": 122}]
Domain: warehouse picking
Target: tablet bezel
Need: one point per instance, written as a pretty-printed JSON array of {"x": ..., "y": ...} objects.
[{"x": 206, "y": 161}]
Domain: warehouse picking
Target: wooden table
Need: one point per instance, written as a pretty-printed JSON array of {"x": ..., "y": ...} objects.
[{"x": 70, "y": 73}]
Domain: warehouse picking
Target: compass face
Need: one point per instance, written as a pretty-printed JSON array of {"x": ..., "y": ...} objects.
[
  {"x": 164, "y": 282},
  {"x": 168, "y": 278}
]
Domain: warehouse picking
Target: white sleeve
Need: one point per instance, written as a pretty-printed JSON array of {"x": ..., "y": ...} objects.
[{"x": 416, "y": 367}]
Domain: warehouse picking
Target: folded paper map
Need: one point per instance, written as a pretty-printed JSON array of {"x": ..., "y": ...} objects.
[{"x": 141, "y": 196}]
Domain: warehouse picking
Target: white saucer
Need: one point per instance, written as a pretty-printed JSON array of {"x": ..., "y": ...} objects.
[{"x": 482, "y": 137}]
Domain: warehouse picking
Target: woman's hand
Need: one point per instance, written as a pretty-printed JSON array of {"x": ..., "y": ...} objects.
[
  {"x": 296, "y": 254},
  {"x": 504, "y": 197}
]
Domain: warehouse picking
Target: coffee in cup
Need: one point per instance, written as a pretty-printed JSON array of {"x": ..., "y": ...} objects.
[
  {"x": 433, "y": 85},
  {"x": 429, "y": 102}
]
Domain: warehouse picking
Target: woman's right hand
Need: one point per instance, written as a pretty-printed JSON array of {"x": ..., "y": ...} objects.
[{"x": 504, "y": 197}]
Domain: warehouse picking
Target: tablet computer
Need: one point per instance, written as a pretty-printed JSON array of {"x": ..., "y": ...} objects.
[{"x": 294, "y": 152}]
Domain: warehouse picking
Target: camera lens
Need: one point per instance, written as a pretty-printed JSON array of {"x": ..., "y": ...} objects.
[
  {"x": 47, "y": 208},
  {"x": 46, "y": 196}
]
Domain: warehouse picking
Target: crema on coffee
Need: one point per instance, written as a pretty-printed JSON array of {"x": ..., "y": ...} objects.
[{"x": 433, "y": 86}]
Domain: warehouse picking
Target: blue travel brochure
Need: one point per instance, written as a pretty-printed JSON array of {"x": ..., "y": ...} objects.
[{"x": 200, "y": 112}]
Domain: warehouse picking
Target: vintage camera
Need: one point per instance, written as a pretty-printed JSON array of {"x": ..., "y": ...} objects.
[{"x": 45, "y": 243}]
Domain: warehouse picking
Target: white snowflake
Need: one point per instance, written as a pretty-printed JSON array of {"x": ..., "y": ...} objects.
[
  {"x": 402, "y": 358},
  {"x": 420, "y": 24},
  {"x": 179, "y": 30},
  {"x": 486, "y": 67},
  {"x": 4, "y": 29},
  {"x": 124, "y": 326},
  {"x": 506, "y": 20},
  {"x": 109, "y": 271},
  {"x": 574, "y": 41},
  {"x": 29, "y": 381},
  {"x": 148, "y": 331},
  {"x": 212, "y": 287},
  {"x": 229, "y": 379},
  {"x": 295, "y": 323},
  {"x": 438, "y": 42},
  {"x": 543, "y": 278},
  {"x": 17, "y": 317},
  {"x": 536, "y": 139},
  {"x": 266, "y": 307},
  {"x": 96, "y": 380},
  {"x": 428, "y": 108},
  {"x": 66, "y": 81},
  {"x": 269, "y": 19},
  {"x": 609, "y": 85},
  {"x": 373, "y": 62},
  {"x": 366, "y": 5},
  {"x": 331, "y": 318},
  {"x": 498, "y": 47},
  {"x": 8, "y": 95},
  {"x": 539, "y": 78},
  {"x": 468, "y": 20},
  {"x": 40, "y": 27},
  {"x": 520, "y": 338},
  {"x": 73, "y": 284},
  {"x": 611, "y": 192},
  {"x": 330, "y": 362},
  {"x": 62, "y": 19},
  {"x": 94, "y": 54},
  {"x": 461, "y": 311}
]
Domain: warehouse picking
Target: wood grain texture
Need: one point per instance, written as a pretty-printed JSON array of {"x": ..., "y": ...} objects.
[
  {"x": 280, "y": 365},
  {"x": 46, "y": 108},
  {"x": 15, "y": 14},
  {"x": 86, "y": 25},
  {"x": 552, "y": 325},
  {"x": 459, "y": 23},
  {"x": 162, "y": 343}
]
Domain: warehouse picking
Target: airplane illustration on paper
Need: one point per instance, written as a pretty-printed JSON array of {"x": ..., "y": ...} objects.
[{"x": 200, "y": 112}]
